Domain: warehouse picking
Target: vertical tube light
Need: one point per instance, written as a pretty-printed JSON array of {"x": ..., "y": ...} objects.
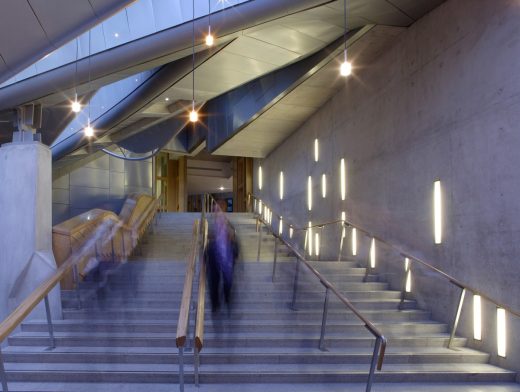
[
  {"x": 323, "y": 186},
  {"x": 373, "y": 253},
  {"x": 343, "y": 179},
  {"x": 477, "y": 317},
  {"x": 316, "y": 150},
  {"x": 501, "y": 332},
  {"x": 280, "y": 226},
  {"x": 309, "y": 193},
  {"x": 317, "y": 244},
  {"x": 291, "y": 232},
  {"x": 309, "y": 231},
  {"x": 260, "y": 179},
  {"x": 408, "y": 283},
  {"x": 281, "y": 185},
  {"x": 260, "y": 207},
  {"x": 437, "y": 211},
  {"x": 354, "y": 241}
]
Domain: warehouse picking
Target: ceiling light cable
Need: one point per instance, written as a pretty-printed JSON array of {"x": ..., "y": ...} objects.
[
  {"x": 346, "y": 66},
  {"x": 193, "y": 114}
]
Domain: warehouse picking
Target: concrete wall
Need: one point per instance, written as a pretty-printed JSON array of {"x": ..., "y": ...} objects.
[
  {"x": 102, "y": 183},
  {"x": 443, "y": 102}
]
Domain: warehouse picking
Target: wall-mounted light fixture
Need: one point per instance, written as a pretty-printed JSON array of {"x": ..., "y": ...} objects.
[
  {"x": 501, "y": 332},
  {"x": 260, "y": 178},
  {"x": 373, "y": 253},
  {"x": 477, "y": 317},
  {"x": 343, "y": 179},
  {"x": 437, "y": 211},
  {"x": 323, "y": 186},
  {"x": 281, "y": 185},
  {"x": 309, "y": 231},
  {"x": 354, "y": 241},
  {"x": 316, "y": 150},
  {"x": 309, "y": 193},
  {"x": 408, "y": 271}
]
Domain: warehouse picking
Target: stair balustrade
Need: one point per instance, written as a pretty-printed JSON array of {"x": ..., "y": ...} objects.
[
  {"x": 380, "y": 342},
  {"x": 94, "y": 236},
  {"x": 265, "y": 216}
]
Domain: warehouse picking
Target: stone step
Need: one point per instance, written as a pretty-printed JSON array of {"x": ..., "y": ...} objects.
[
  {"x": 232, "y": 326},
  {"x": 247, "y": 314},
  {"x": 273, "y": 387},
  {"x": 235, "y": 340},
  {"x": 146, "y": 355},
  {"x": 239, "y": 304},
  {"x": 259, "y": 373}
]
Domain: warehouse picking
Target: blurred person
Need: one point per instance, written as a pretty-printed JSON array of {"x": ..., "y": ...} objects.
[{"x": 221, "y": 253}]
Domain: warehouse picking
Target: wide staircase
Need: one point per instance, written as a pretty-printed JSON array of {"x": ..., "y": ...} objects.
[{"x": 121, "y": 333}]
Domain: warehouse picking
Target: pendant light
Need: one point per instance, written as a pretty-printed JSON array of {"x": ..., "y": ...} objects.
[
  {"x": 346, "y": 67},
  {"x": 89, "y": 130},
  {"x": 194, "y": 116},
  {"x": 76, "y": 105},
  {"x": 210, "y": 40}
]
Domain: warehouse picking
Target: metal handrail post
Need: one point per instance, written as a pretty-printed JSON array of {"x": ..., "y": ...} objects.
[
  {"x": 3, "y": 374},
  {"x": 341, "y": 241},
  {"x": 403, "y": 287},
  {"x": 181, "y": 369},
  {"x": 75, "y": 277},
  {"x": 113, "y": 252},
  {"x": 275, "y": 257},
  {"x": 373, "y": 364},
  {"x": 49, "y": 322},
  {"x": 457, "y": 317},
  {"x": 321, "y": 346},
  {"x": 259, "y": 242},
  {"x": 295, "y": 284},
  {"x": 196, "y": 365}
]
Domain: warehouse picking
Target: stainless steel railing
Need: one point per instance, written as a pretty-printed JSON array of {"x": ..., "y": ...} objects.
[
  {"x": 345, "y": 224},
  {"x": 380, "y": 343}
]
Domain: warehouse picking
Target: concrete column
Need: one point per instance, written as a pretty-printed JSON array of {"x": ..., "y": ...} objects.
[{"x": 26, "y": 257}]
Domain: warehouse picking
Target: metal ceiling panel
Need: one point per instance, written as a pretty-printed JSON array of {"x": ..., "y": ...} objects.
[
  {"x": 376, "y": 11},
  {"x": 264, "y": 134},
  {"x": 20, "y": 31},
  {"x": 259, "y": 50},
  {"x": 31, "y": 29},
  {"x": 416, "y": 8},
  {"x": 287, "y": 38},
  {"x": 57, "y": 16}
]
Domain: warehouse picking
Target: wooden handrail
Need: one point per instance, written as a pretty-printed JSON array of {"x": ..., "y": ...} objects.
[
  {"x": 24, "y": 309},
  {"x": 403, "y": 253},
  {"x": 16, "y": 317},
  {"x": 184, "y": 312},
  {"x": 201, "y": 304}
]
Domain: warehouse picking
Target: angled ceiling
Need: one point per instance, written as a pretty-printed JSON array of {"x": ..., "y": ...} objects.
[
  {"x": 257, "y": 38},
  {"x": 31, "y": 29}
]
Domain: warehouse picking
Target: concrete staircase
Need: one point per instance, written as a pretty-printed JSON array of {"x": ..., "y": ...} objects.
[{"x": 123, "y": 337}]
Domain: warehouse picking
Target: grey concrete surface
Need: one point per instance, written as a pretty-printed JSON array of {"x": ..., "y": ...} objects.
[
  {"x": 441, "y": 103},
  {"x": 102, "y": 183},
  {"x": 26, "y": 258}
]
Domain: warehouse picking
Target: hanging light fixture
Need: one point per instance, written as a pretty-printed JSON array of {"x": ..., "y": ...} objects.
[
  {"x": 194, "y": 116},
  {"x": 76, "y": 105},
  {"x": 210, "y": 40},
  {"x": 346, "y": 67},
  {"x": 89, "y": 130}
]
